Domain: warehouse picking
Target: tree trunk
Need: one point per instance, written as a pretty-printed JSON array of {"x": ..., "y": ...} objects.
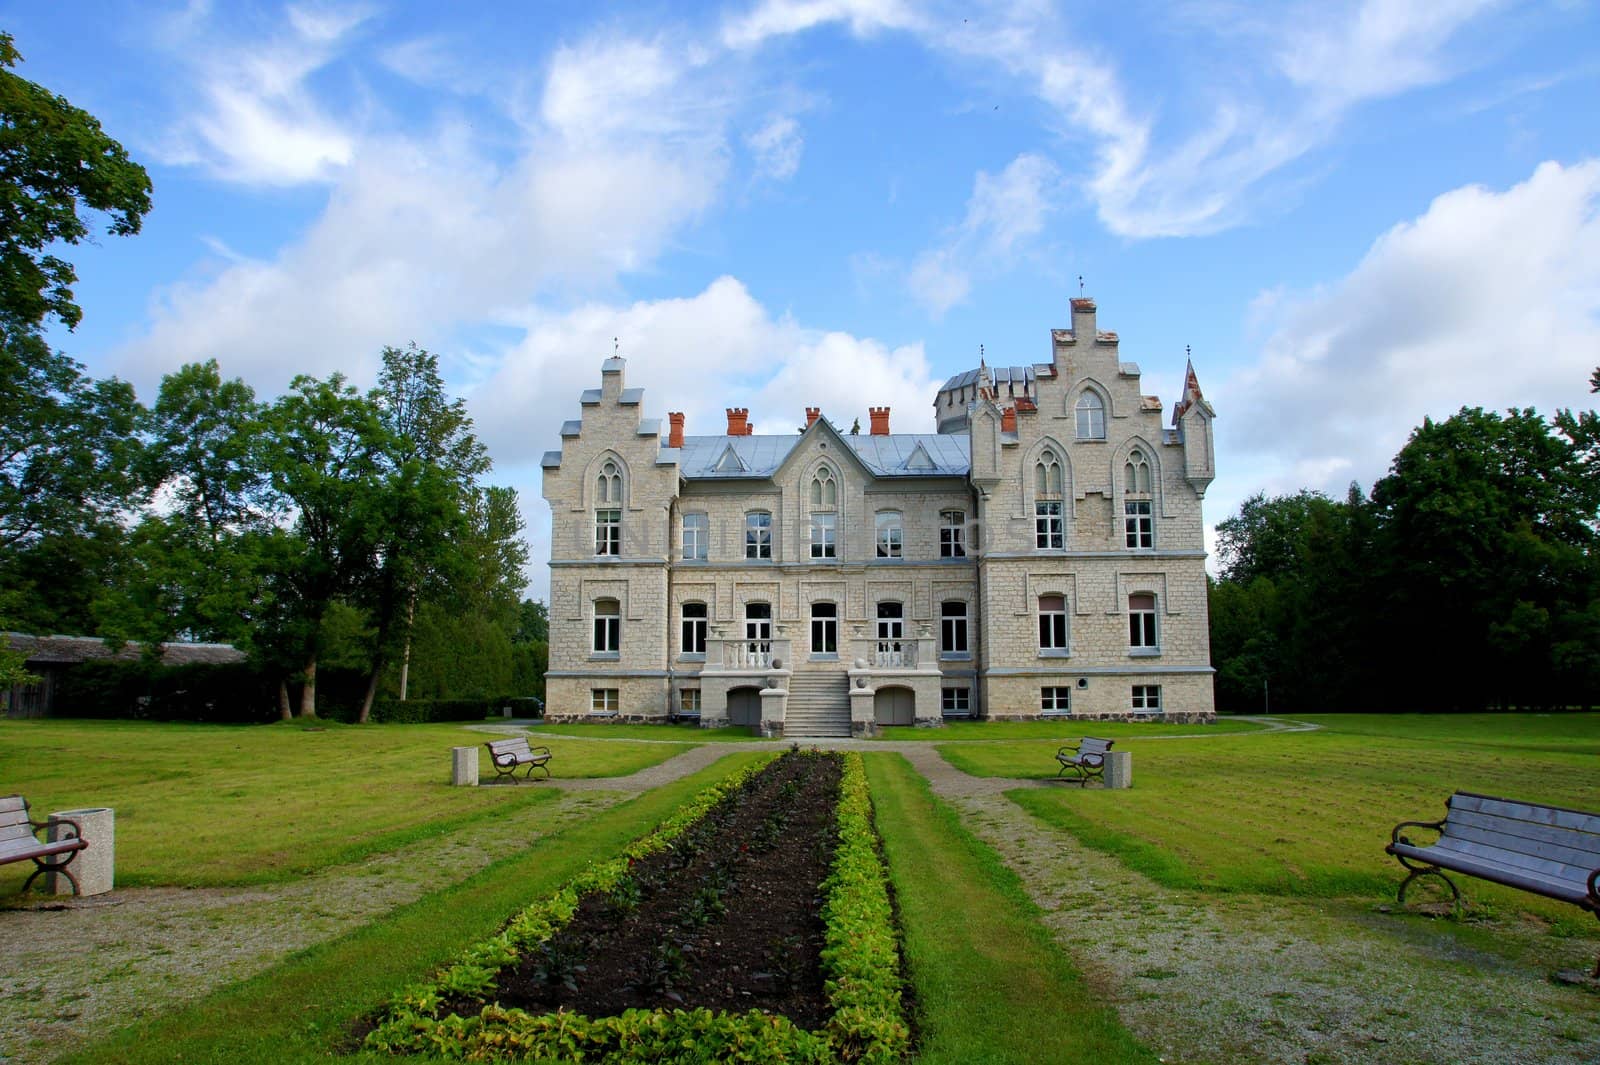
[
  {"x": 284, "y": 712},
  {"x": 372, "y": 690},
  {"x": 308, "y": 694},
  {"x": 405, "y": 657}
]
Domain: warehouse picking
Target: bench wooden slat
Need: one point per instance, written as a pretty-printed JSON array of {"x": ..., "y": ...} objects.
[
  {"x": 11, "y": 804},
  {"x": 1552, "y": 887},
  {"x": 1556, "y": 816},
  {"x": 1515, "y": 828},
  {"x": 1513, "y": 860},
  {"x": 1536, "y": 848}
]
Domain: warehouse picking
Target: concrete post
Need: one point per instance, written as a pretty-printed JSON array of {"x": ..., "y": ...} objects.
[
  {"x": 1119, "y": 769},
  {"x": 464, "y": 767},
  {"x": 774, "y": 700},
  {"x": 862, "y": 720},
  {"x": 95, "y": 865}
]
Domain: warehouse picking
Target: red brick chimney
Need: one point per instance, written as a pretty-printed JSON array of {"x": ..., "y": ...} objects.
[
  {"x": 812, "y": 414},
  {"x": 675, "y": 434},
  {"x": 880, "y": 420},
  {"x": 738, "y": 418},
  {"x": 1008, "y": 420}
]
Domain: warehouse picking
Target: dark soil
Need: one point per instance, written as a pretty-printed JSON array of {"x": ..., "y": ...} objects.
[{"x": 727, "y": 918}]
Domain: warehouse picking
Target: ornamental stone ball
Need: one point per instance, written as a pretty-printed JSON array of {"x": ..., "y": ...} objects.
[
  {"x": 861, "y": 682},
  {"x": 861, "y": 663},
  {"x": 777, "y": 663}
]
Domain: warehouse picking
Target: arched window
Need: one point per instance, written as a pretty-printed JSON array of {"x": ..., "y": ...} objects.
[
  {"x": 608, "y": 510},
  {"x": 694, "y": 628},
  {"x": 607, "y": 627},
  {"x": 1091, "y": 417},
  {"x": 608, "y": 487},
  {"x": 1142, "y": 624},
  {"x": 1137, "y": 509},
  {"x": 1047, "y": 503},
  {"x": 824, "y": 490},
  {"x": 953, "y": 628},
  {"x": 1053, "y": 624}
]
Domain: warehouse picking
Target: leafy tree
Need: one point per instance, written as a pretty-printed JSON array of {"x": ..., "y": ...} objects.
[
  {"x": 321, "y": 448},
  {"x": 533, "y": 622},
  {"x": 430, "y": 460},
  {"x": 67, "y": 444},
  {"x": 54, "y": 160}
]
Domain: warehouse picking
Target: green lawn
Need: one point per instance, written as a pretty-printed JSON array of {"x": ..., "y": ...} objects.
[
  {"x": 306, "y": 1008},
  {"x": 1062, "y": 730},
  {"x": 239, "y": 804},
  {"x": 989, "y": 983},
  {"x": 1307, "y": 813}
]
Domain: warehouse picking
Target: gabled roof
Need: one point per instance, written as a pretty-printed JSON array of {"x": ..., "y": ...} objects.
[
  {"x": 947, "y": 455},
  {"x": 68, "y": 650}
]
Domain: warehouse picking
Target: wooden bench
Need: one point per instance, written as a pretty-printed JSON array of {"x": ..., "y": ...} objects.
[
  {"x": 18, "y": 842},
  {"x": 510, "y": 755},
  {"x": 1548, "y": 850},
  {"x": 1087, "y": 758}
]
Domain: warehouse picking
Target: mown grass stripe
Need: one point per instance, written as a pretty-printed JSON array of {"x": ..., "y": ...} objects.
[
  {"x": 303, "y": 1008},
  {"x": 991, "y": 984}
]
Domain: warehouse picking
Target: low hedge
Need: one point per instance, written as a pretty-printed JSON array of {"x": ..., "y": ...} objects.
[
  {"x": 861, "y": 963},
  {"x": 419, "y": 711}
]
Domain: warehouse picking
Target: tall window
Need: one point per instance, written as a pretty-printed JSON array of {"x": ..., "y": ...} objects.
[
  {"x": 758, "y": 622},
  {"x": 608, "y": 486},
  {"x": 953, "y": 627},
  {"x": 758, "y": 534},
  {"x": 607, "y": 627},
  {"x": 1055, "y": 700},
  {"x": 952, "y": 534},
  {"x": 1053, "y": 624},
  {"x": 1047, "y": 502},
  {"x": 1147, "y": 698},
  {"x": 1091, "y": 417},
  {"x": 824, "y": 489},
  {"x": 696, "y": 536},
  {"x": 608, "y": 532},
  {"x": 824, "y": 535},
  {"x": 1142, "y": 622},
  {"x": 1137, "y": 519},
  {"x": 891, "y": 534},
  {"x": 694, "y": 628},
  {"x": 824, "y": 628},
  {"x": 891, "y": 623}
]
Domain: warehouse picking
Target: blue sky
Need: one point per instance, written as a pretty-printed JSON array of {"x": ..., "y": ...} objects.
[{"x": 1356, "y": 214}]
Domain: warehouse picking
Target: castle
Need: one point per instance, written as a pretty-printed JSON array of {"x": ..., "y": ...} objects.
[{"x": 1041, "y": 554}]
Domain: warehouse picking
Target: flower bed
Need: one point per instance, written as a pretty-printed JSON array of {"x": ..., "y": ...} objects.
[{"x": 754, "y": 926}]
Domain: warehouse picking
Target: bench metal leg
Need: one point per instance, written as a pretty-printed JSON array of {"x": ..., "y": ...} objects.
[
  {"x": 1424, "y": 871},
  {"x": 51, "y": 867}
]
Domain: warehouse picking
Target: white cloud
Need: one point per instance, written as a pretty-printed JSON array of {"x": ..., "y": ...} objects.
[
  {"x": 1487, "y": 299},
  {"x": 1295, "y": 72},
  {"x": 252, "y": 118},
  {"x": 777, "y": 146},
  {"x": 699, "y": 354},
  {"x": 1005, "y": 215}
]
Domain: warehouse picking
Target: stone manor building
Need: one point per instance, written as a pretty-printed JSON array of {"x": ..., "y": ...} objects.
[{"x": 1041, "y": 554}]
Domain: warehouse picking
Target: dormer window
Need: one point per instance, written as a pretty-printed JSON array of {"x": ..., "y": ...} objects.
[{"x": 1091, "y": 417}]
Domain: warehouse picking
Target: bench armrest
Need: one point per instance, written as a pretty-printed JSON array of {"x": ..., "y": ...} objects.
[
  {"x": 1069, "y": 748},
  {"x": 539, "y": 750},
  {"x": 1396, "y": 837}
]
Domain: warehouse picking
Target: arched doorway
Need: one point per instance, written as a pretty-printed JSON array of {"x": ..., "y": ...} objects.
[
  {"x": 744, "y": 707},
  {"x": 894, "y": 706}
]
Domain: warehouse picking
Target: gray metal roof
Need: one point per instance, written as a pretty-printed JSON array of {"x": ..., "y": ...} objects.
[
  {"x": 571, "y": 428},
  {"x": 650, "y": 427},
  {"x": 590, "y": 396},
  {"x": 947, "y": 455},
  {"x": 1004, "y": 376},
  {"x": 551, "y": 460},
  {"x": 631, "y": 397}
]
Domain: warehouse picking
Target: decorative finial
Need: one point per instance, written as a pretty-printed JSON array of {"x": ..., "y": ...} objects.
[
  {"x": 1187, "y": 353},
  {"x": 1080, "y": 285},
  {"x": 616, "y": 346}
]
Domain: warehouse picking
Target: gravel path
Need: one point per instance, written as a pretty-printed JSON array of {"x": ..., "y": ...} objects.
[{"x": 1201, "y": 978}]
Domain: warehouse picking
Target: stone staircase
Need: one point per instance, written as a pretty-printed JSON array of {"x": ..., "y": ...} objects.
[{"x": 818, "y": 706}]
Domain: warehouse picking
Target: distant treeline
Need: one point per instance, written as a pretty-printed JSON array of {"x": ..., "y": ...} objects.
[{"x": 1467, "y": 580}]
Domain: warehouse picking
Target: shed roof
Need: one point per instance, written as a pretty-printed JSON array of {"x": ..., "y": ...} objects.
[{"x": 70, "y": 650}]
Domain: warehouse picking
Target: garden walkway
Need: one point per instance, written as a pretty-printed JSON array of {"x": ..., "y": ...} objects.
[{"x": 1197, "y": 977}]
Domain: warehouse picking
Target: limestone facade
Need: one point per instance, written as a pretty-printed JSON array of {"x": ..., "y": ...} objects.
[{"x": 1042, "y": 554}]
